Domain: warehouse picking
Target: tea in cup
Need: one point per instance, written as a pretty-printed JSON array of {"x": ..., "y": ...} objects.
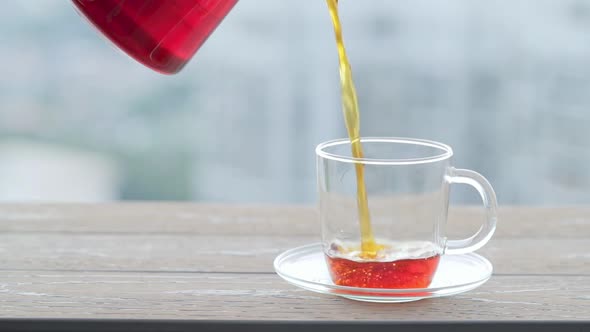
[{"x": 399, "y": 241}]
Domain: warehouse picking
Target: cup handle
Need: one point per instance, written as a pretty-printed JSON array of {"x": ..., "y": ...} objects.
[{"x": 488, "y": 197}]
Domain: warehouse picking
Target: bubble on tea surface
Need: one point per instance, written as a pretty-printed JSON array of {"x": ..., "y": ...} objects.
[{"x": 390, "y": 250}]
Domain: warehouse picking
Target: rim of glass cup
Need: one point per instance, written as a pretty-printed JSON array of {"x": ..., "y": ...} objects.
[{"x": 446, "y": 151}]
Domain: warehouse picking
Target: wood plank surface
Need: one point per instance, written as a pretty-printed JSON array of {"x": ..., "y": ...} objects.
[
  {"x": 233, "y": 253},
  {"x": 214, "y": 262},
  {"x": 215, "y": 219},
  {"x": 264, "y": 296}
]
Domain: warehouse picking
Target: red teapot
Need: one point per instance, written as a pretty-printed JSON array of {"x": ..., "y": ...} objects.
[{"x": 161, "y": 34}]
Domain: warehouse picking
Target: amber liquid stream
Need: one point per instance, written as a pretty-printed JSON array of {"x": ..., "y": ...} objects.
[
  {"x": 350, "y": 108},
  {"x": 368, "y": 271}
]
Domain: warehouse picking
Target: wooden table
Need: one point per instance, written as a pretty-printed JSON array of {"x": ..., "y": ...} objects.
[{"x": 173, "y": 267}]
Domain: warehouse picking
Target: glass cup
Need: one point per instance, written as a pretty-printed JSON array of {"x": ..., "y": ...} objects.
[{"x": 407, "y": 186}]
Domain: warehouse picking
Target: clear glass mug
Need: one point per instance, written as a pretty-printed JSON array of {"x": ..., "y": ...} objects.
[{"x": 407, "y": 183}]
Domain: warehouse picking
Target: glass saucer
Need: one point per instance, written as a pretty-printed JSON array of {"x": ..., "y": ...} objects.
[{"x": 305, "y": 267}]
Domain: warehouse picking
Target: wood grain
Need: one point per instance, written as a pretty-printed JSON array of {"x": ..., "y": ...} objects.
[
  {"x": 233, "y": 253},
  {"x": 194, "y": 261},
  {"x": 214, "y": 219},
  {"x": 265, "y": 296}
]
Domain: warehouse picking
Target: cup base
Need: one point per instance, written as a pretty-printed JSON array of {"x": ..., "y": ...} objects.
[{"x": 305, "y": 267}]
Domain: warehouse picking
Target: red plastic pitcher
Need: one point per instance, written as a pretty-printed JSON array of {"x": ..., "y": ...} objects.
[{"x": 161, "y": 34}]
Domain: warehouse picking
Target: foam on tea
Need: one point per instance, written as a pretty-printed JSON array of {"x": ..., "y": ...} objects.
[{"x": 395, "y": 265}]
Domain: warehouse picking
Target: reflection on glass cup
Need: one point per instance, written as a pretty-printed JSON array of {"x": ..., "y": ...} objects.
[{"x": 407, "y": 183}]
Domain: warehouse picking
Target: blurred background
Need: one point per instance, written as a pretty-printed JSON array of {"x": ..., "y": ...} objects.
[{"x": 507, "y": 84}]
